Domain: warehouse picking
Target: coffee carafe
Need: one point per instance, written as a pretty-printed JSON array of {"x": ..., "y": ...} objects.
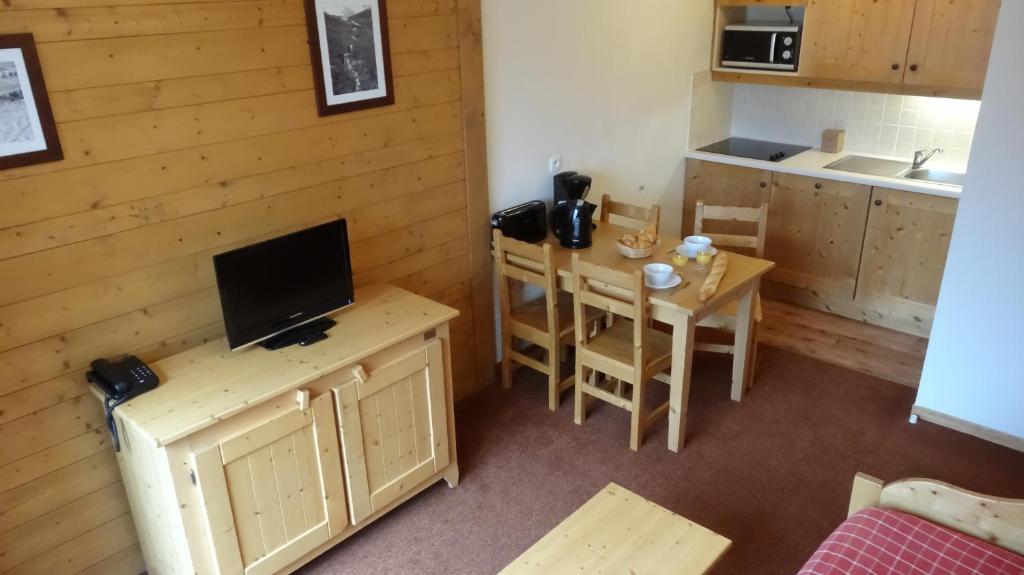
[{"x": 572, "y": 219}]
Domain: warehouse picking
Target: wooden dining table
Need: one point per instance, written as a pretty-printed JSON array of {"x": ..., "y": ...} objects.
[{"x": 681, "y": 308}]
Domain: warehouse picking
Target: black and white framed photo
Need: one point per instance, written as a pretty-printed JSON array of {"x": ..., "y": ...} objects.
[
  {"x": 348, "y": 42},
  {"x": 28, "y": 134}
]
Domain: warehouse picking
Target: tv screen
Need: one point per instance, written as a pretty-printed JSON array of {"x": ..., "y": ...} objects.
[{"x": 274, "y": 285}]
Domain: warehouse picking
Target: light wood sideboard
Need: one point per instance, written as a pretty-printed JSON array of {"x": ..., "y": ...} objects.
[{"x": 257, "y": 461}]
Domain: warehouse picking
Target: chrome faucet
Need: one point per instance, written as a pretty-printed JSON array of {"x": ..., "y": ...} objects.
[{"x": 922, "y": 156}]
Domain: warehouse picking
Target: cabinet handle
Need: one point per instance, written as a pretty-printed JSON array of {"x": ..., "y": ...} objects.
[
  {"x": 302, "y": 398},
  {"x": 817, "y": 186},
  {"x": 878, "y": 202},
  {"x": 360, "y": 374},
  {"x": 895, "y": 66},
  {"x": 764, "y": 184},
  {"x": 913, "y": 67}
]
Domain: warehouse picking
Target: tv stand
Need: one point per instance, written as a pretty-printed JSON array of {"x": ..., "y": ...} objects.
[{"x": 305, "y": 334}]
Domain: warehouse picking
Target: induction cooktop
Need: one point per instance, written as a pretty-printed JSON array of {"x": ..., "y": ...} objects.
[{"x": 754, "y": 149}]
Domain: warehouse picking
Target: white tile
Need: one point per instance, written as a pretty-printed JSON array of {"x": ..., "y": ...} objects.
[
  {"x": 923, "y": 138},
  {"x": 892, "y": 115},
  {"x": 887, "y": 147},
  {"x": 909, "y": 117},
  {"x": 889, "y": 132},
  {"x": 876, "y": 100},
  {"x": 875, "y": 114},
  {"x": 905, "y": 136},
  {"x": 893, "y": 101}
]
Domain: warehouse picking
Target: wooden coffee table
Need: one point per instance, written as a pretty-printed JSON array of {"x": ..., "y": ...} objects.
[{"x": 618, "y": 531}]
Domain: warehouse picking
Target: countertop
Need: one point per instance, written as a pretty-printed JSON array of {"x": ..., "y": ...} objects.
[
  {"x": 812, "y": 163},
  {"x": 209, "y": 383}
]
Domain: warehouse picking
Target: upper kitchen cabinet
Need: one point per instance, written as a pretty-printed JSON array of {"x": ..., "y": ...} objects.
[
  {"x": 950, "y": 43},
  {"x": 856, "y": 40},
  {"x": 918, "y": 47}
]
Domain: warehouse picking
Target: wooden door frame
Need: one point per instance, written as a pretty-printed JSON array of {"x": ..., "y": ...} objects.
[{"x": 478, "y": 206}]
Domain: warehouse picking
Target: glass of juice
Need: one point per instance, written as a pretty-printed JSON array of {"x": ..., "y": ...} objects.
[{"x": 703, "y": 258}]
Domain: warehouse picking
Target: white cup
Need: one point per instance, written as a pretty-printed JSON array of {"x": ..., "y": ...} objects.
[
  {"x": 658, "y": 274},
  {"x": 695, "y": 244}
]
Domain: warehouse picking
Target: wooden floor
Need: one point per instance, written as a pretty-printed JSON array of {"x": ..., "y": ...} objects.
[{"x": 859, "y": 346}]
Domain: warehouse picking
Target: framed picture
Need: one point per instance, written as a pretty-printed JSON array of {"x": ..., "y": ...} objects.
[
  {"x": 348, "y": 41},
  {"x": 28, "y": 134}
]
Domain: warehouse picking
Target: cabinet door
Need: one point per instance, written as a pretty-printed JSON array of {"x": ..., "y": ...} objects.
[
  {"x": 950, "y": 43},
  {"x": 815, "y": 234},
  {"x": 904, "y": 257},
  {"x": 275, "y": 492},
  {"x": 394, "y": 429},
  {"x": 724, "y": 185},
  {"x": 856, "y": 40}
]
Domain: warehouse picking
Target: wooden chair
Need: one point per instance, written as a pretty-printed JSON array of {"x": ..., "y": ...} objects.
[
  {"x": 629, "y": 350},
  {"x": 546, "y": 322},
  {"x": 651, "y": 215},
  {"x": 726, "y": 318}
]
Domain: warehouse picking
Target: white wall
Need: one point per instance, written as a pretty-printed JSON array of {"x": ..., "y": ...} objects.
[
  {"x": 604, "y": 83},
  {"x": 889, "y": 125},
  {"x": 974, "y": 369}
]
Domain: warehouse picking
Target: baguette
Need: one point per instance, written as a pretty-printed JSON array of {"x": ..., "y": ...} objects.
[{"x": 715, "y": 277}]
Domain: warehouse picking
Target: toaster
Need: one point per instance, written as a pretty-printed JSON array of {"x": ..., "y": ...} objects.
[{"x": 526, "y": 222}]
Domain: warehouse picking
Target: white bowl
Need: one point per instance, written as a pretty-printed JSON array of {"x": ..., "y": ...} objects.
[
  {"x": 658, "y": 274},
  {"x": 694, "y": 244}
]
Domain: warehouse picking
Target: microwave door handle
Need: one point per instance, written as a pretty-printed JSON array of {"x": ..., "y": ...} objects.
[{"x": 771, "y": 51}]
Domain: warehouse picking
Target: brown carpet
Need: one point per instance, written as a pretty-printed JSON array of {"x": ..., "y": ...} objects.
[{"x": 772, "y": 473}]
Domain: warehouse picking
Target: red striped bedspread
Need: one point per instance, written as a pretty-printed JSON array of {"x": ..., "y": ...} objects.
[{"x": 883, "y": 541}]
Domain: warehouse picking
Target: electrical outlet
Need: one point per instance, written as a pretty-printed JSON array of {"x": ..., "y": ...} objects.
[{"x": 554, "y": 164}]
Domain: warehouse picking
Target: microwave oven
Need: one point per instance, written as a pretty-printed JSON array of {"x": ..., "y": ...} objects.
[{"x": 761, "y": 46}]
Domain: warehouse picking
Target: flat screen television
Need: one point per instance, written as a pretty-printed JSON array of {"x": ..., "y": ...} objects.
[{"x": 276, "y": 285}]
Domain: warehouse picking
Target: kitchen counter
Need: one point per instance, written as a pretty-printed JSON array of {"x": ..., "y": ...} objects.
[{"x": 812, "y": 163}]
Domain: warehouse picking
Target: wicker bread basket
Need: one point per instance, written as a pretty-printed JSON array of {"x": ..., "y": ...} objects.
[{"x": 635, "y": 253}]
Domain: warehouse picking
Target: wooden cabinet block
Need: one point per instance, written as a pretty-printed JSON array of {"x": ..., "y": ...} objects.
[
  {"x": 905, "y": 250},
  {"x": 815, "y": 234},
  {"x": 724, "y": 185},
  {"x": 951, "y": 42}
]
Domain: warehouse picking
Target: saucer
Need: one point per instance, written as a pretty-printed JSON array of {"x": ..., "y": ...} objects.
[
  {"x": 676, "y": 280},
  {"x": 682, "y": 251}
]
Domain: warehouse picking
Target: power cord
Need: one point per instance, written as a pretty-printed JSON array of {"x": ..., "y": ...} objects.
[{"x": 790, "y": 15}]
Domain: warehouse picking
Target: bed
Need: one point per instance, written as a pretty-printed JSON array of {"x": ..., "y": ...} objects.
[{"x": 921, "y": 526}]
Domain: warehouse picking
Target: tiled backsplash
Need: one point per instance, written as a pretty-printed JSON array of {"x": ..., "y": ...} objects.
[{"x": 875, "y": 123}]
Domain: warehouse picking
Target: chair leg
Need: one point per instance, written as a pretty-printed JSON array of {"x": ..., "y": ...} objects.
[
  {"x": 636, "y": 419},
  {"x": 579, "y": 408},
  {"x": 753, "y": 357},
  {"x": 554, "y": 375},
  {"x": 506, "y": 359}
]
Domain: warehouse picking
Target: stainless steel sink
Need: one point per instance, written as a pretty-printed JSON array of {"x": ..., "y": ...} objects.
[
  {"x": 935, "y": 176},
  {"x": 895, "y": 169},
  {"x": 870, "y": 166}
]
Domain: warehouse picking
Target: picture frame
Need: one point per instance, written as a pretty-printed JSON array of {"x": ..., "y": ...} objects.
[
  {"x": 350, "y": 53},
  {"x": 28, "y": 133}
]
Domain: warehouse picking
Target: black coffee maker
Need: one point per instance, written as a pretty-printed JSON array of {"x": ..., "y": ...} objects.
[{"x": 572, "y": 219}]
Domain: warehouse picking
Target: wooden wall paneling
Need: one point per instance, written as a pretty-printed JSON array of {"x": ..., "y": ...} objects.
[
  {"x": 192, "y": 129},
  {"x": 478, "y": 200},
  {"x": 33, "y": 198}
]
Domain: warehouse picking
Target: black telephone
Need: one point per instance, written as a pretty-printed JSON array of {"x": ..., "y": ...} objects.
[{"x": 121, "y": 381}]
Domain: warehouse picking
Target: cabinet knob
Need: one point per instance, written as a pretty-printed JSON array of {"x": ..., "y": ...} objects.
[
  {"x": 360, "y": 374},
  {"x": 895, "y": 66},
  {"x": 817, "y": 186},
  {"x": 764, "y": 184},
  {"x": 878, "y": 202},
  {"x": 913, "y": 67}
]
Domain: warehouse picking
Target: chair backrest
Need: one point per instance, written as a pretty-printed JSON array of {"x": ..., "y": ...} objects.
[
  {"x": 616, "y": 292},
  {"x": 733, "y": 214},
  {"x": 646, "y": 216},
  {"x": 530, "y": 264}
]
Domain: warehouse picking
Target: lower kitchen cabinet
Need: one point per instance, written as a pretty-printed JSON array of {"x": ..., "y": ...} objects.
[
  {"x": 815, "y": 234},
  {"x": 724, "y": 185},
  {"x": 905, "y": 250},
  {"x": 871, "y": 254},
  {"x": 394, "y": 431}
]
